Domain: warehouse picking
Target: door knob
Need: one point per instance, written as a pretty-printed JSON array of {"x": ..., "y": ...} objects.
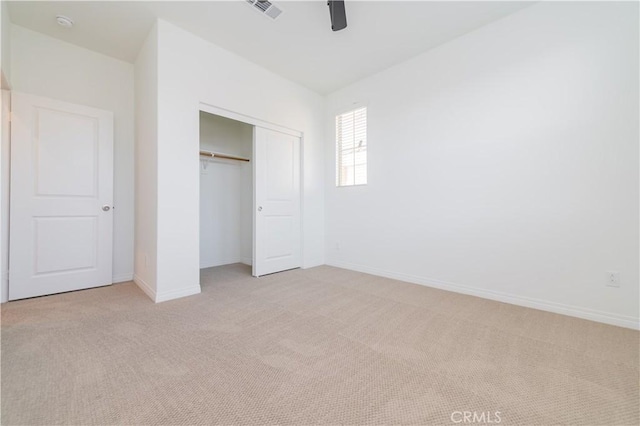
[
  {"x": 259, "y": 208},
  {"x": 106, "y": 208}
]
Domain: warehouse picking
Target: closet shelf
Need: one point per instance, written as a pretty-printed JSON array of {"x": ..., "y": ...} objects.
[{"x": 223, "y": 156}]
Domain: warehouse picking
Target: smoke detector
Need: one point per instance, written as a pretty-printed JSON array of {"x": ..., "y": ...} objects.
[
  {"x": 64, "y": 21},
  {"x": 265, "y": 8}
]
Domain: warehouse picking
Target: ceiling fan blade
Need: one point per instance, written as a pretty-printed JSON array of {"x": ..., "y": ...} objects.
[{"x": 338, "y": 15}]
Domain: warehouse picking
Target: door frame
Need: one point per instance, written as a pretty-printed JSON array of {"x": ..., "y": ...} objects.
[
  {"x": 211, "y": 109},
  {"x": 247, "y": 119}
]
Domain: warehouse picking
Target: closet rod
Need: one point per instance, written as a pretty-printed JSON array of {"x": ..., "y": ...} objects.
[{"x": 219, "y": 155}]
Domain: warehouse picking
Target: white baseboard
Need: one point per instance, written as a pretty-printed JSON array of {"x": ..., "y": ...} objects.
[
  {"x": 246, "y": 261},
  {"x": 222, "y": 262},
  {"x": 120, "y": 278},
  {"x": 544, "y": 305},
  {"x": 165, "y": 296},
  {"x": 176, "y": 294},
  {"x": 146, "y": 288},
  {"x": 313, "y": 263},
  {"x": 4, "y": 282}
]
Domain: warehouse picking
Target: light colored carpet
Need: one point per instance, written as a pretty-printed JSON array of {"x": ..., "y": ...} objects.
[{"x": 316, "y": 346}]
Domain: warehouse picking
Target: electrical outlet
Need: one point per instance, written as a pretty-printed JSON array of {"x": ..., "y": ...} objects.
[
  {"x": 337, "y": 246},
  {"x": 613, "y": 279}
]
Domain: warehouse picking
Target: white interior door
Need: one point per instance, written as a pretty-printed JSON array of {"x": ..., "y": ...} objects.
[
  {"x": 61, "y": 216},
  {"x": 277, "y": 231}
]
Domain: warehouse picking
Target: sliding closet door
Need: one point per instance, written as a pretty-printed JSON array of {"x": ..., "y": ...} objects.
[{"x": 277, "y": 224}]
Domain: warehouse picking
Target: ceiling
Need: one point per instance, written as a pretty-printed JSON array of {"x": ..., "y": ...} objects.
[{"x": 299, "y": 45}]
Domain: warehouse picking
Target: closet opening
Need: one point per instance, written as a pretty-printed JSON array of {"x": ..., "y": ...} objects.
[
  {"x": 250, "y": 195},
  {"x": 226, "y": 192}
]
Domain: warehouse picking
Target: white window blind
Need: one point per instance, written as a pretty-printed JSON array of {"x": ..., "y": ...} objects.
[{"x": 351, "y": 148}]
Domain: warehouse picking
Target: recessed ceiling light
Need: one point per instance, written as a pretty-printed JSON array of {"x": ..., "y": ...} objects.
[{"x": 64, "y": 21}]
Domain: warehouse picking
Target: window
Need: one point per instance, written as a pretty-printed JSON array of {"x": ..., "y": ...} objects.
[{"x": 351, "y": 148}]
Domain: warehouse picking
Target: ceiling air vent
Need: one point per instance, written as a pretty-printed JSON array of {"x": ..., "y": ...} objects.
[{"x": 265, "y": 8}]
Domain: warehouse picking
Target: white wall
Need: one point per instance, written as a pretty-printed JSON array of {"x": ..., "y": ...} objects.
[
  {"x": 5, "y": 78},
  {"x": 226, "y": 193},
  {"x": 146, "y": 165},
  {"x": 191, "y": 71},
  {"x": 504, "y": 164},
  {"x": 5, "y": 44},
  {"x": 47, "y": 67},
  {"x": 5, "y": 173}
]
